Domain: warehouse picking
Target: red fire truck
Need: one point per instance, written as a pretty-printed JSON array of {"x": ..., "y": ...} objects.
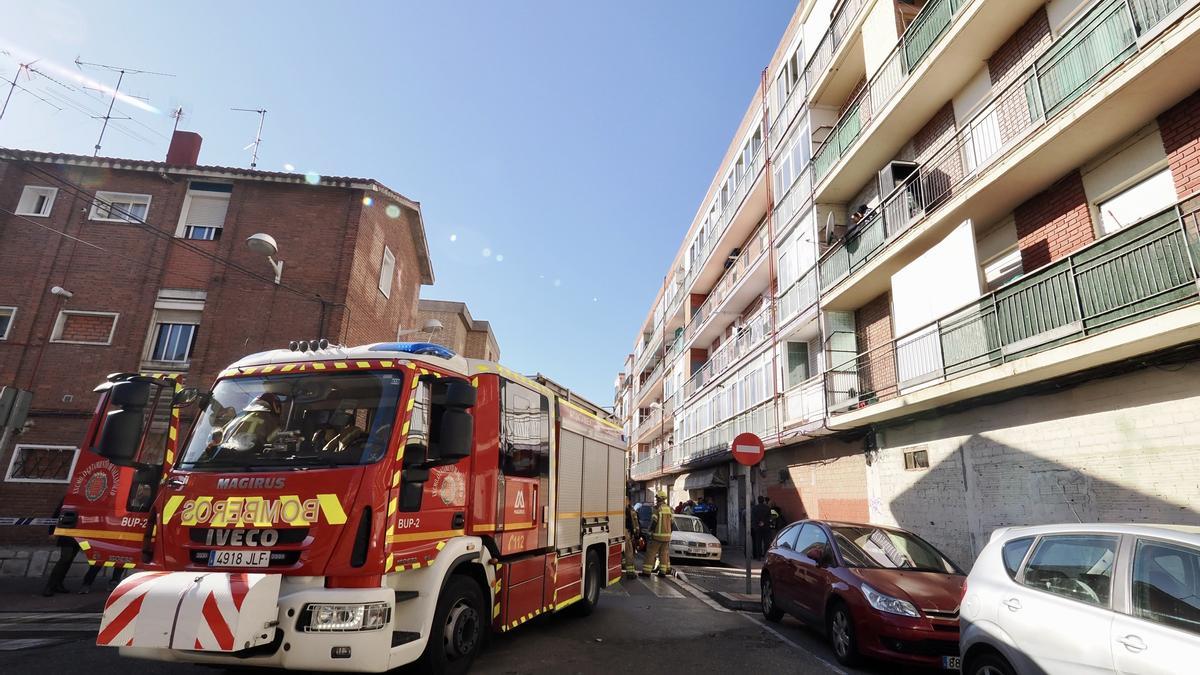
[{"x": 346, "y": 509}]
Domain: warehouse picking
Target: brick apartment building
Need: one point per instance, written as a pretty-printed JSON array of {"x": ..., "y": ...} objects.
[
  {"x": 948, "y": 270},
  {"x": 467, "y": 336},
  {"x": 179, "y": 291}
]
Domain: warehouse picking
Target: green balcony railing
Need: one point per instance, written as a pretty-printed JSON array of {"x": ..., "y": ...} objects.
[
  {"x": 1089, "y": 50},
  {"x": 1142, "y": 271},
  {"x": 923, "y": 33}
]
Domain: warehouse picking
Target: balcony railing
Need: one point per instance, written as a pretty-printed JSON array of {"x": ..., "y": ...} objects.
[
  {"x": 755, "y": 247},
  {"x": 1136, "y": 273},
  {"x": 805, "y": 402},
  {"x": 650, "y": 350},
  {"x": 759, "y": 419},
  {"x": 730, "y": 208},
  {"x": 650, "y": 379},
  {"x": 648, "y": 467},
  {"x": 795, "y": 199},
  {"x": 1094, "y": 46},
  {"x": 833, "y": 38},
  {"x": 647, "y": 422},
  {"x": 782, "y": 118},
  {"x": 799, "y": 296},
  {"x": 749, "y": 336},
  {"x": 922, "y": 34}
]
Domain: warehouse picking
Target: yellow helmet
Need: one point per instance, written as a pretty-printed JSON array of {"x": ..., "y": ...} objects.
[{"x": 662, "y": 494}]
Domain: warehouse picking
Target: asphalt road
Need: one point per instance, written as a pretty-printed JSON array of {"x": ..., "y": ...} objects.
[{"x": 642, "y": 625}]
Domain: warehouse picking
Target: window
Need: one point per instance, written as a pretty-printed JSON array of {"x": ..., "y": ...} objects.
[
  {"x": 84, "y": 328},
  {"x": 204, "y": 209},
  {"x": 1144, "y": 199},
  {"x": 1078, "y": 567},
  {"x": 787, "y": 538},
  {"x": 797, "y": 363},
  {"x": 120, "y": 207},
  {"x": 916, "y": 459},
  {"x": 173, "y": 342},
  {"x": 1003, "y": 269},
  {"x": 6, "y": 320},
  {"x": 42, "y": 463},
  {"x": 36, "y": 201},
  {"x": 387, "y": 271},
  {"x": 1166, "y": 585},
  {"x": 1013, "y": 553},
  {"x": 525, "y": 430},
  {"x": 811, "y": 537}
]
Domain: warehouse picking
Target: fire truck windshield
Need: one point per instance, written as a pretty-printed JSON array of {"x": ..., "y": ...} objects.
[{"x": 293, "y": 421}]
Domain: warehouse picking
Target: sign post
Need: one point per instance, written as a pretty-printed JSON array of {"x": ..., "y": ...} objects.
[{"x": 748, "y": 450}]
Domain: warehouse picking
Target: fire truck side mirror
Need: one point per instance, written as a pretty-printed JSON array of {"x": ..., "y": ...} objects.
[{"x": 122, "y": 432}]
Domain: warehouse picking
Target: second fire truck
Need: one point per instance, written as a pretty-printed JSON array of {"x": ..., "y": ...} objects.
[{"x": 345, "y": 509}]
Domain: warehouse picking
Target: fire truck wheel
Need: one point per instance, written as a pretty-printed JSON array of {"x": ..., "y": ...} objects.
[
  {"x": 458, "y": 628},
  {"x": 592, "y": 582}
]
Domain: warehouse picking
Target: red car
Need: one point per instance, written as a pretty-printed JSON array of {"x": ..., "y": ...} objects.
[{"x": 878, "y": 592}]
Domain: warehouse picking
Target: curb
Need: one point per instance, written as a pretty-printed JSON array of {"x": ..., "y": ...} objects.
[{"x": 729, "y": 601}]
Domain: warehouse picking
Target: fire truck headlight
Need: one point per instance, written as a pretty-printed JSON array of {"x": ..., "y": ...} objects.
[{"x": 344, "y": 617}]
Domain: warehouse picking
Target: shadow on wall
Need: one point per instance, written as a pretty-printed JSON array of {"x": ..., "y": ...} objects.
[{"x": 1121, "y": 449}]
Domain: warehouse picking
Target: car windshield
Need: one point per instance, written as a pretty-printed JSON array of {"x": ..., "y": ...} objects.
[
  {"x": 686, "y": 524},
  {"x": 295, "y": 421},
  {"x": 865, "y": 546}
]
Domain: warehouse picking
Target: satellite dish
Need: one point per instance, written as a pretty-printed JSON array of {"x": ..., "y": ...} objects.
[{"x": 829, "y": 228}]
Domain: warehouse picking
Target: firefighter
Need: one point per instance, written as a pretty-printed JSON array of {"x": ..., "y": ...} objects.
[
  {"x": 658, "y": 544},
  {"x": 632, "y": 532}
]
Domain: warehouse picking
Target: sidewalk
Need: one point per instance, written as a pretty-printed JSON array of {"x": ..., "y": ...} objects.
[
  {"x": 23, "y": 575},
  {"x": 726, "y": 583}
]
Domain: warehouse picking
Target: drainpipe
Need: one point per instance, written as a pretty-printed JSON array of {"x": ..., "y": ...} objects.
[{"x": 766, "y": 130}]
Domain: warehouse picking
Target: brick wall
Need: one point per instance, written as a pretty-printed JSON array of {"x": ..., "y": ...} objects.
[
  {"x": 873, "y": 331},
  {"x": 1180, "y": 128},
  {"x": 820, "y": 479},
  {"x": 941, "y": 169},
  {"x": 92, "y": 328},
  {"x": 1020, "y": 50},
  {"x": 1114, "y": 450},
  {"x": 1054, "y": 223}
]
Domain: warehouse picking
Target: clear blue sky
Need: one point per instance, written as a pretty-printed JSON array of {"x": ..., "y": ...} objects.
[{"x": 572, "y": 139}]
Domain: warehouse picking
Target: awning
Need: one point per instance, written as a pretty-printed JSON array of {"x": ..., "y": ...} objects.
[{"x": 715, "y": 477}]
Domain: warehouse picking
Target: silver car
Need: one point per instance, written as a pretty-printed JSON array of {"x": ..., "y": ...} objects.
[{"x": 1084, "y": 599}]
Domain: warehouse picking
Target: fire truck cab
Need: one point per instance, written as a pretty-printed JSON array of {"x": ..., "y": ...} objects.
[{"x": 352, "y": 509}]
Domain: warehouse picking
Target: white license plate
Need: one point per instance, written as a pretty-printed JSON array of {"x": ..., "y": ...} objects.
[
  {"x": 239, "y": 558},
  {"x": 952, "y": 662}
]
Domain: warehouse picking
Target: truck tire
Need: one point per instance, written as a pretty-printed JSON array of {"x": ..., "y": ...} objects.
[
  {"x": 460, "y": 625},
  {"x": 592, "y": 582}
]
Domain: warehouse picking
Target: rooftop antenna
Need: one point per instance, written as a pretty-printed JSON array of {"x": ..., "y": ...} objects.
[
  {"x": 176, "y": 114},
  {"x": 123, "y": 71},
  {"x": 262, "y": 116},
  {"x": 12, "y": 85}
]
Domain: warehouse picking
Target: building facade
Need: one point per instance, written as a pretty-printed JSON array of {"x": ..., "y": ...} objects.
[
  {"x": 947, "y": 270},
  {"x": 467, "y": 336},
  {"x": 114, "y": 265}
]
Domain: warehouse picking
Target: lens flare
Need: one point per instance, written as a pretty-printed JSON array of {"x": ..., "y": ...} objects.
[
  {"x": 367, "y": 201},
  {"x": 288, "y": 167},
  {"x": 392, "y": 211},
  {"x": 454, "y": 237},
  {"x": 487, "y": 252},
  {"x": 312, "y": 178},
  {"x": 499, "y": 257}
]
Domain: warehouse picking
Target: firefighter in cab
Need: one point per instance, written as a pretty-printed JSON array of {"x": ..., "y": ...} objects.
[{"x": 658, "y": 544}]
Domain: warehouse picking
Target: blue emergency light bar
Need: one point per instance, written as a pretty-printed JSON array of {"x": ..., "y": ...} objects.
[{"x": 422, "y": 348}]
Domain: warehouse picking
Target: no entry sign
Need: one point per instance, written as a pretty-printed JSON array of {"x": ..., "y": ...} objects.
[{"x": 748, "y": 449}]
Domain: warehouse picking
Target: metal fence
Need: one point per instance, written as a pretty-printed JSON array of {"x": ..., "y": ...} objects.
[
  {"x": 760, "y": 420},
  {"x": 747, "y": 259},
  {"x": 833, "y": 38},
  {"x": 1141, "y": 271},
  {"x": 749, "y": 336}
]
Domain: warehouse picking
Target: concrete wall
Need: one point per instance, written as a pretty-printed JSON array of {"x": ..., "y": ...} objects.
[
  {"x": 825, "y": 478},
  {"x": 1119, "y": 449}
]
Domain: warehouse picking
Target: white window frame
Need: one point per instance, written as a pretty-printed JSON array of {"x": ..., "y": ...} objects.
[
  {"x": 182, "y": 227},
  {"x": 61, "y": 321},
  {"x": 154, "y": 332},
  {"x": 111, "y": 197},
  {"x": 50, "y": 192},
  {"x": 386, "y": 280},
  {"x": 12, "y": 318},
  {"x": 12, "y": 461}
]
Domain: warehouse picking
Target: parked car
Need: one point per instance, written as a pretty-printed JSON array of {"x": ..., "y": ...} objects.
[
  {"x": 878, "y": 592},
  {"x": 691, "y": 539},
  {"x": 1084, "y": 598}
]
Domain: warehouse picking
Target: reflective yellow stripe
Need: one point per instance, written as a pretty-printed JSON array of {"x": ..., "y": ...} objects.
[
  {"x": 418, "y": 536},
  {"x": 331, "y": 506},
  {"x": 97, "y": 534}
]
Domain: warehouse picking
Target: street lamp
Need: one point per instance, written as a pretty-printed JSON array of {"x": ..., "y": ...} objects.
[
  {"x": 264, "y": 244},
  {"x": 431, "y": 326}
]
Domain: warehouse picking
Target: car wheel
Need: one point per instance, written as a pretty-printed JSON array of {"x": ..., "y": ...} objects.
[
  {"x": 841, "y": 635},
  {"x": 591, "y": 585},
  {"x": 989, "y": 664},
  {"x": 769, "y": 609},
  {"x": 459, "y": 628}
]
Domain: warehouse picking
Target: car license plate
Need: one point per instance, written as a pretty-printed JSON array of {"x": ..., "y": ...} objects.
[
  {"x": 239, "y": 558},
  {"x": 952, "y": 662}
]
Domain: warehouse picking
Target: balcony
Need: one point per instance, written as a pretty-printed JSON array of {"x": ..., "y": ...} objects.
[
  {"x": 920, "y": 37},
  {"x": 750, "y": 336},
  {"x": 650, "y": 350},
  {"x": 731, "y": 212},
  {"x": 799, "y": 297},
  {"x": 983, "y": 152},
  {"x": 650, "y": 385},
  {"x": 805, "y": 402},
  {"x": 712, "y": 445},
  {"x": 732, "y": 288},
  {"x": 1098, "y": 297},
  {"x": 648, "y": 425},
  {"x": 829, "y": 54},
  {"x": 647, "y": 468}
]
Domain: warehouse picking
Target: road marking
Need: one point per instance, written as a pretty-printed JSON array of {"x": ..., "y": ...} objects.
[
  {"x": 661, "y": 588},
  {"x": 29, "y": 643},
  {"x": 32, "y": 626},
  {"x": 681, "y": 579},
  {"x": 617, "y": 589},
  {"x": 795, "y": 645}
]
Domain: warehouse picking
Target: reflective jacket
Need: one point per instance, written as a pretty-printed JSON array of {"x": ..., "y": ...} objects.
[{"x": 660, "y": 523}]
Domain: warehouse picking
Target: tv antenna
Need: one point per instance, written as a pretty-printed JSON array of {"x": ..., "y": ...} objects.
[
  {"x": 262, "y": 116},
  {"x": 25, "y": 68},
  {"x": 177, "y": 115},
  {"x": 116, "y": 91}
]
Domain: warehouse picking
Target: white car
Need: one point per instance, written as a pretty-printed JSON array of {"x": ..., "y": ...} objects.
[
  {"x": 1084, "y": 599},
  {"x": 690, "y": 539}
]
